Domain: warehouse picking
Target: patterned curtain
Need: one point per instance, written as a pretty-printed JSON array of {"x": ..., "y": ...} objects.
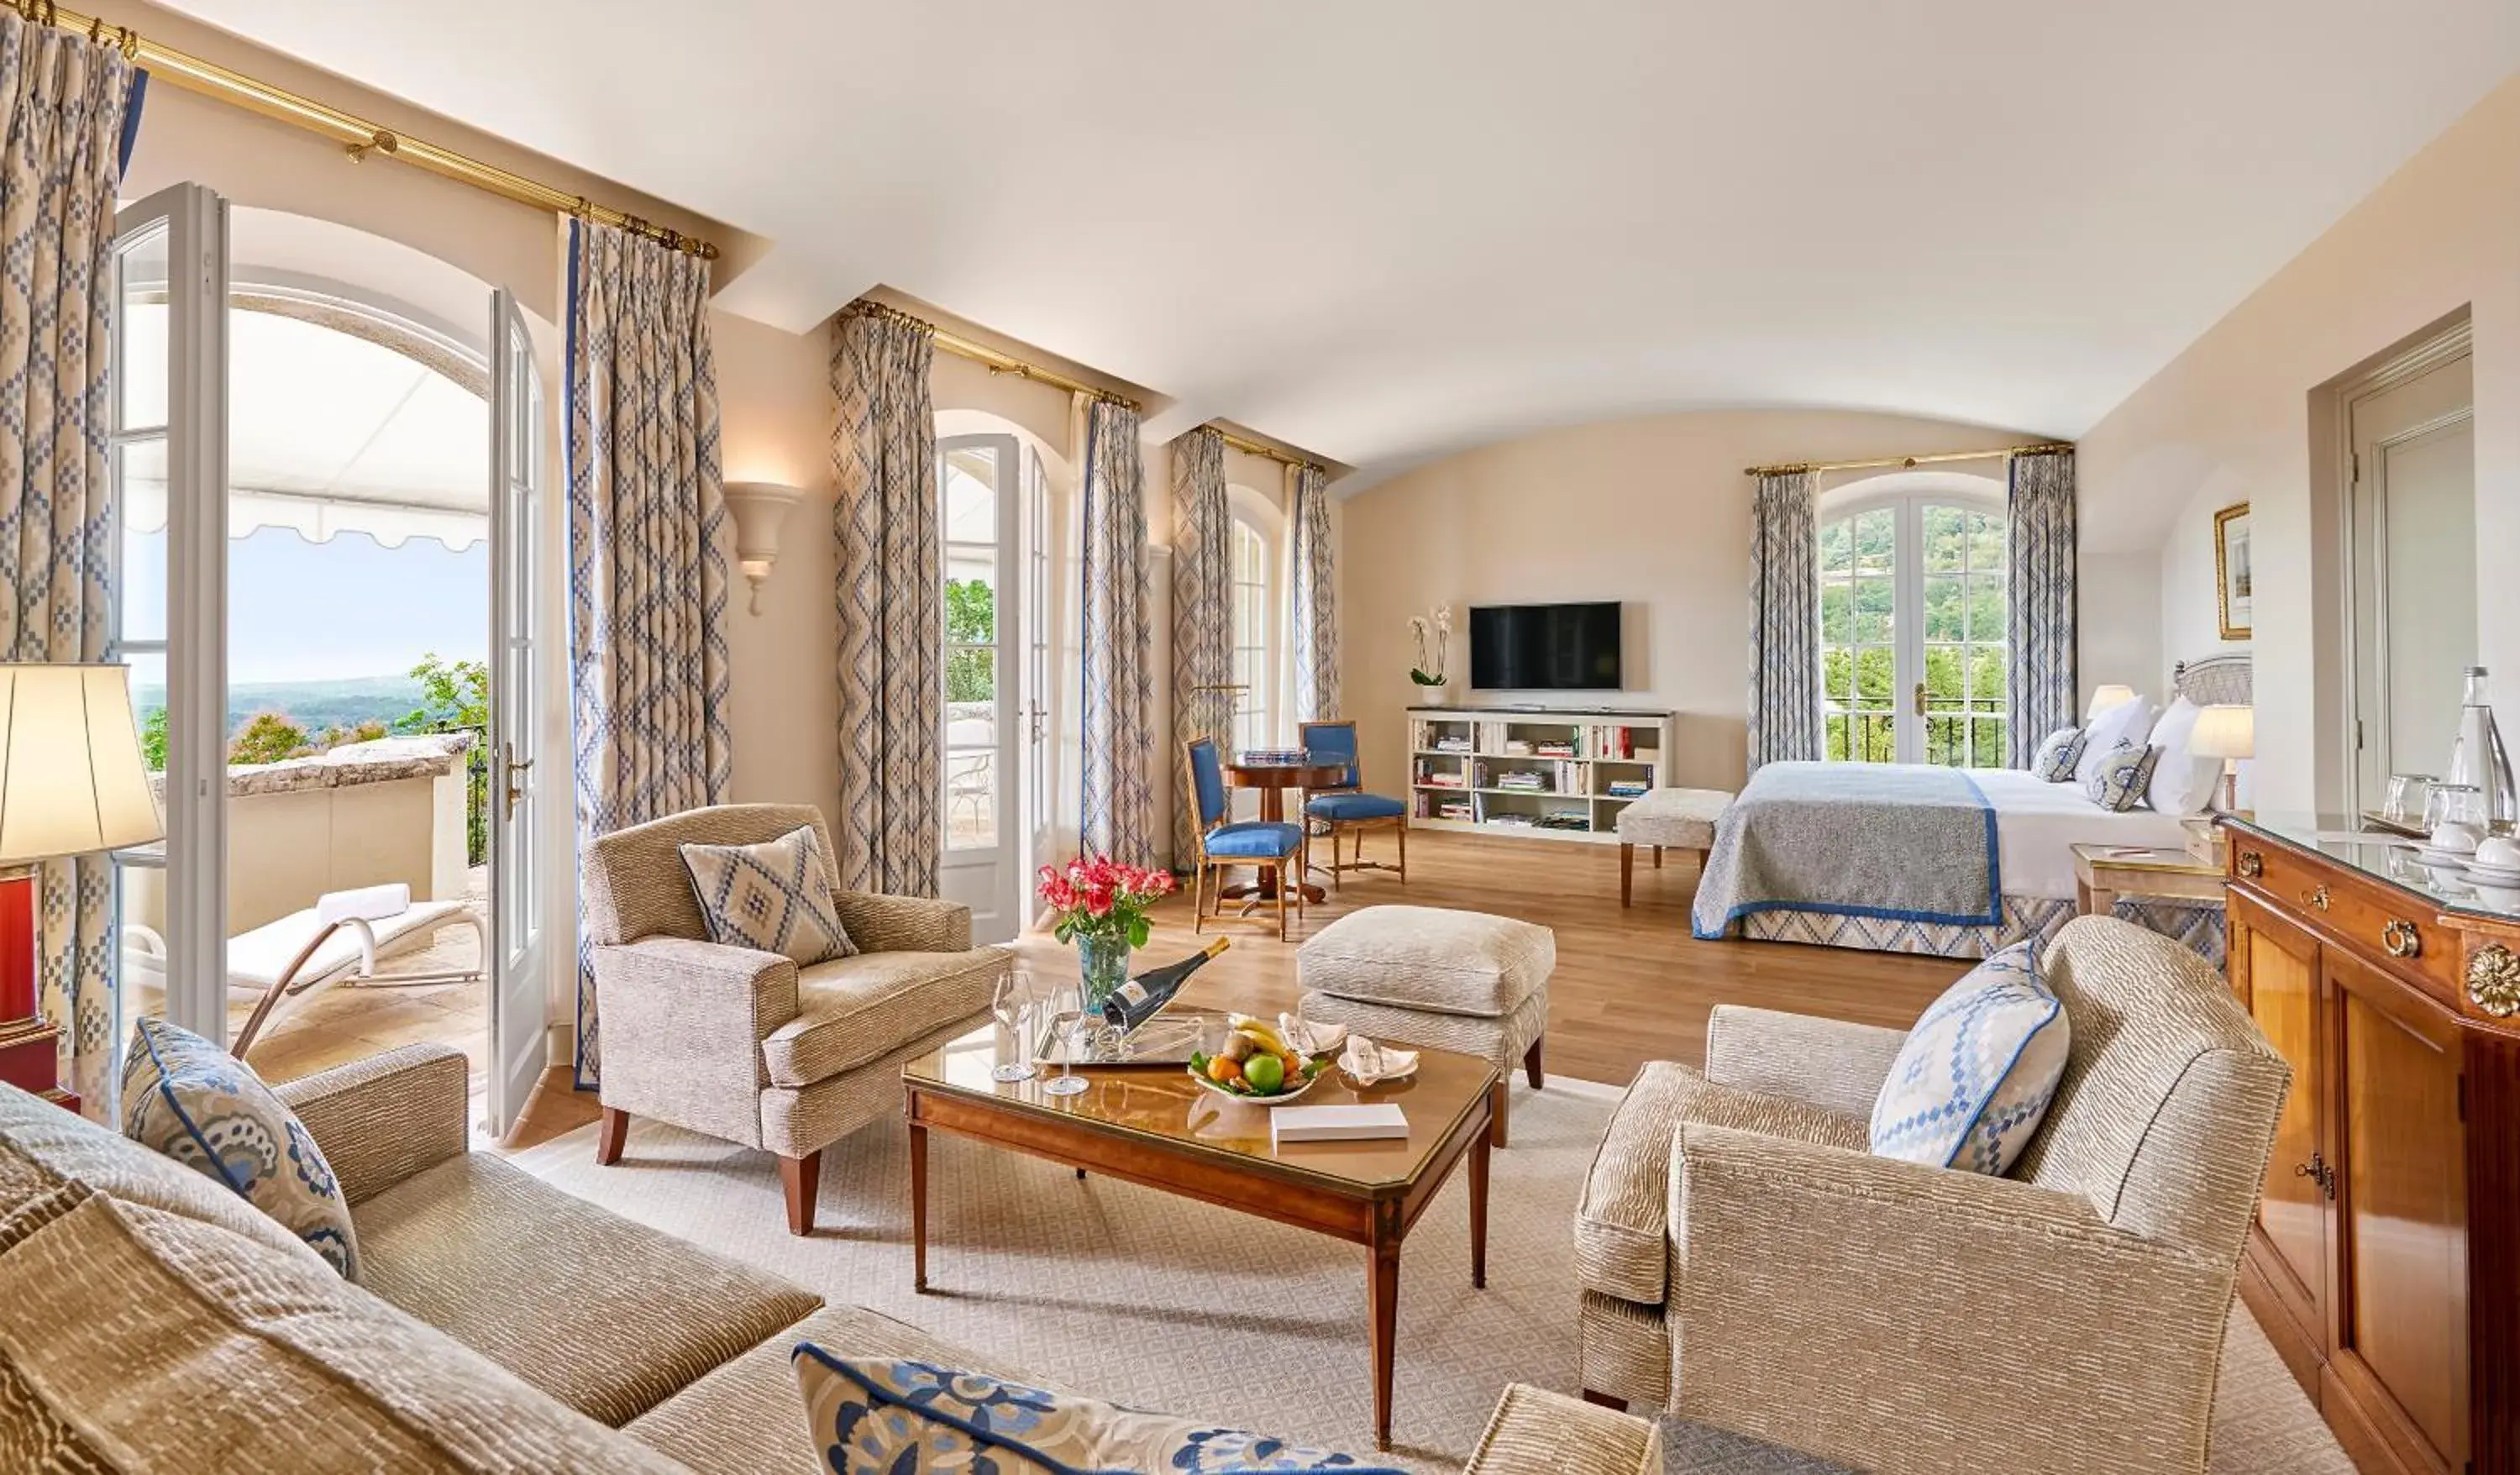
[
  {"x": 2039, "y": 600},
  {"x": 62, "y": 111},
  {"x": 1315, "y": 594},
  {"x": 646, "y": 547},
  {"x": 1784, "y": 619},
  {"x": 1119, "y": 810},
  {"x": 1202, "y": 614},
  {"x": 883, "y": 461}
]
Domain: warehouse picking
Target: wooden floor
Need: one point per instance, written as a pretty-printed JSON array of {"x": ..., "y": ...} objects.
[{"x": 1630, "y": 985}]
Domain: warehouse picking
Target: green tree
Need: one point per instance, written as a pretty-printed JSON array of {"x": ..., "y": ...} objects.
[
  {"x": 152, "y": 740},
  {"x": 267, "y": 737},
  {"x": 454, "y": 697},
  {"x": 971, "y": 615}
]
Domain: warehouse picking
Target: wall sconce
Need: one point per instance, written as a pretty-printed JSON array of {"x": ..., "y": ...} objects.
[{"x": 760, "y": 506}]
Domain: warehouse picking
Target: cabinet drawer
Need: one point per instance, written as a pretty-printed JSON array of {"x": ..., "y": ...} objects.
[{"x": 2391, "y": 929}]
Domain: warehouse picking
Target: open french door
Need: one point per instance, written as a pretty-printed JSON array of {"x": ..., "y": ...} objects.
[
  {"x": 518, "y": 985},
  {"x": 168, "y": 458}
]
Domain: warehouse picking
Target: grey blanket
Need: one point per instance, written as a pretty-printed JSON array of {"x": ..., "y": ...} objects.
[{"x": 1910, "y": 843}]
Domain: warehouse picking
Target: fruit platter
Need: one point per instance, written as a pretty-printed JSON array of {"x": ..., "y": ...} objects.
[{"x": 1257, "y": 1064}]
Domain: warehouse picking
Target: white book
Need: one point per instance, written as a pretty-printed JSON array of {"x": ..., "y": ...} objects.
[{"x": 1335, "y": 1124}]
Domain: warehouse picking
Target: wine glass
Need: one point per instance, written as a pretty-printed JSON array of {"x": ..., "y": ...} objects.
[
  {"x": 1077, "y": 1028},
  {"x": 1012, "y": 1001}
]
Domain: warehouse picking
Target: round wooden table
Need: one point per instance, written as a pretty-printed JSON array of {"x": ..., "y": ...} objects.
[{"x": 1273, "y": 780}]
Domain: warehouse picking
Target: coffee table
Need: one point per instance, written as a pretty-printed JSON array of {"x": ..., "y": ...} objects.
[{"x": 1158, "y": 1127}]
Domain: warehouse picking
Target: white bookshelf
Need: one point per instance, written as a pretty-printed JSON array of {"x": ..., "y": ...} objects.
[{"x": 1531, "y": 772}]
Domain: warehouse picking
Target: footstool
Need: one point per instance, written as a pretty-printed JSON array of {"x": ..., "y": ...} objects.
[
  {"x": 1678, "y": 819},
  {"x": 1462, "y": 982}
]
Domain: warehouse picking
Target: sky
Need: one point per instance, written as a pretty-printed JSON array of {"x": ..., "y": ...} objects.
[{"x": 321, "y": 611}]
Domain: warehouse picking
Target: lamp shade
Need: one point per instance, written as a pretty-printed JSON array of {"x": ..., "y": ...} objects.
[
  {"x": 71, "y": 779},
  {"x": 2107, "y": 696},
  {"x": 2224, "y": 732}
]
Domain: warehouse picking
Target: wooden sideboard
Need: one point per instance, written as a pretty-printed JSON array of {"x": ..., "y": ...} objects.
[{"x": 2385, "y": 1263}]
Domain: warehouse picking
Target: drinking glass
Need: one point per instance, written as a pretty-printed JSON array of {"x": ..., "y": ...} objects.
[
  {"x": 1012, "y": 1002},
  {"x": 1075, "y": 1030},
  {"x": 2407, "y": 796}
]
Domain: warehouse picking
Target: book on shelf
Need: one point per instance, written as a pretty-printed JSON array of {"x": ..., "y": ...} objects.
[
  {"x": 1628, "y": 788},
  {"x": 1456, "y": 809}
]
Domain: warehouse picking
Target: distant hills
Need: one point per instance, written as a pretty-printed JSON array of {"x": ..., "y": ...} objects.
[{"x": 312, "y": 705}]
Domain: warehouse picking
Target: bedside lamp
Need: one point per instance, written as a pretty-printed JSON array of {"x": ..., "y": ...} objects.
[
  {"x": 2230, "y": 733},
  {"x": 2107, "y": 696},
  {"x": 71, "y": 782}
]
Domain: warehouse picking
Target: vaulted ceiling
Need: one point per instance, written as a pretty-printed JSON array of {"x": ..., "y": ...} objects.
[{"x": 1382, "y": 230}]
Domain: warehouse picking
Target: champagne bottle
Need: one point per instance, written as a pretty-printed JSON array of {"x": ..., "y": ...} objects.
[{"x": 1144, "y": 997}]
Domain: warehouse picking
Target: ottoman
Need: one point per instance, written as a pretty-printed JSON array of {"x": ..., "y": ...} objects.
[
  {"x": 1462, "y": 982},
  {"x": 1681, "y": 819}
]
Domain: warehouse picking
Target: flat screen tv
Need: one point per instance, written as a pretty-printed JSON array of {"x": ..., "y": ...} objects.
[{"x": 1544, "y": 647}]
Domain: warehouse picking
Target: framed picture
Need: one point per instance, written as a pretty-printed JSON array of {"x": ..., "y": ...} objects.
[{"x": 2231, "y": 571}]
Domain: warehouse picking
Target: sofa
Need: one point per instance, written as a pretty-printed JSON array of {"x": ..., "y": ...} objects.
[
  {"x": 1749, "y": 1264},
  {"x": 150, "y": 1319},
  {"x": 744, "y": 1044}
]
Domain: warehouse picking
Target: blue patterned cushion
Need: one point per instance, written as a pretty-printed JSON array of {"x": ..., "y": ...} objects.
[
  {"x": 1353, "y": 807},
  {"x": 190, "y": 1101},
  {"x": 874, "y": 1417},
  {"x": 1254, "y": 839},
  {"x": 2118, "y": 785},
  {"x": 1976, "y": 1075},
  {"x": 2055, "y": 758},
  {"x": 773, "y": 897}
]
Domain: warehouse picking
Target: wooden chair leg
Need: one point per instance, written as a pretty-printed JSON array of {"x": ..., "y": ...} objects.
[
  {"x": 1627, "y": 872},
  {"x": 1197, "y": 888},
  {"x": 1657, "y": 856},
  {"x": 611, "y": 1136},
  {"x": 1403, "y": 850},
  {"x": 1338, "y": 876},
  {"x": 801, "y": 1178},
  {"x": 1531, "y": 1063},
  {"x": 1284, "y": 887}
]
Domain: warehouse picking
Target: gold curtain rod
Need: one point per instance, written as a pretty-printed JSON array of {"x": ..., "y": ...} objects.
[
  {"x": 980, "y": 353},
  {"x": 358, "y": 137},
  {"x": 1250, "y": 447},
  {"x": 2008, "y": 453}
]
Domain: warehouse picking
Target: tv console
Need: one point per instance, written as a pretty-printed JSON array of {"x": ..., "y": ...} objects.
[{"x": 1533, "y": 772}]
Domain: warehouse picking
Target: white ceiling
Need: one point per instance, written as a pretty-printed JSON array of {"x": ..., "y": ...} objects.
[{"x": 1382, "y": 230}]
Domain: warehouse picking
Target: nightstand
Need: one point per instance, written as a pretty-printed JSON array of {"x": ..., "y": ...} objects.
[{"x": 2104, "y": 872}]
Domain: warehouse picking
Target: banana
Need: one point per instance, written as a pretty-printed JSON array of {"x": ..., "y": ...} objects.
[{"x": 1264, "y": 1032}]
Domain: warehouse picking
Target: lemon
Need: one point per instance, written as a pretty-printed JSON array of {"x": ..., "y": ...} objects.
[{"x": 1266, "y": 1073}]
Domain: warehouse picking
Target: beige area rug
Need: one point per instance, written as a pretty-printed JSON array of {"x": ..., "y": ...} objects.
[{"x": 1128, "y": 1294}]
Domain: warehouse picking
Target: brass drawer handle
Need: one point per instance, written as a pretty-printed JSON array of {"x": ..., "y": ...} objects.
[
  {"x": 2315, "y": 898},
  {"x": 2251, "y": 865},
  {"x": 2402, "y": 939}
]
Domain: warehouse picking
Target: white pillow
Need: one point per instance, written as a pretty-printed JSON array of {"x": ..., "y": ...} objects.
[
  {"x": 2127, "y": 722},
  {"x": 2182, "y": 783},
  {"x": 1974, "y": 1079}
]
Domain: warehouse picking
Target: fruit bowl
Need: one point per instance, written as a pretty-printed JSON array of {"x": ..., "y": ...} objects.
[
  {"x": 1319, "y": 1068},
  {"x": 1257, "y": 1064}
]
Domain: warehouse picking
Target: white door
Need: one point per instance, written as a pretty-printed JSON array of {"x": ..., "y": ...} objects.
[
  {"x": 170, "y": 458},
  {"x": 1040, "y": 770},
  {"x": 517, "y": 984},
  {"x": 978, "y": 481},
  {"x": 1913, "y": 630},
  {"x": 2414, "y": 571}
]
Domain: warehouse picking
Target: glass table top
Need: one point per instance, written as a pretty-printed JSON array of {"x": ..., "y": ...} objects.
[
  {"x": 2390, "y": 858},
  {"x": 1162, "y": 1103}
]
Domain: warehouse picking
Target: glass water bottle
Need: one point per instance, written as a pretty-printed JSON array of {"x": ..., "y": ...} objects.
[{"x": 2478, "y": 757}]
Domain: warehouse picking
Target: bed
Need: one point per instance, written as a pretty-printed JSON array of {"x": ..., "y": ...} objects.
[{"x": 1821, "y": 853}]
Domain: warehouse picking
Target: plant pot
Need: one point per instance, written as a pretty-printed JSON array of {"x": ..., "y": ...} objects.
[{"x": 1103, "y": 966}]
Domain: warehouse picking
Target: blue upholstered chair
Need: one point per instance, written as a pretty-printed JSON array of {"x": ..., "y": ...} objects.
[
  {"x": 1261, "y": 844},
  {"x": 1348, "y": 809}
]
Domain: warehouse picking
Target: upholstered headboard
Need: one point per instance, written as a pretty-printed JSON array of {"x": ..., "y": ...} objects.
[{"x": 2213, "y": 680}]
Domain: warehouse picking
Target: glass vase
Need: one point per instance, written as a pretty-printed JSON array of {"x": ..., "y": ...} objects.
[{"x": 1103, "y": 965}]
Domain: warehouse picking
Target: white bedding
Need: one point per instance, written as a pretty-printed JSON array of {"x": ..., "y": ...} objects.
[{"x": 2036, "y": 823}]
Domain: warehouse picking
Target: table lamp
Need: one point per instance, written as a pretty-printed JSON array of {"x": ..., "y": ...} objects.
[
  {"x": 2106, "y": 696},
  {"x": 71, "y": 782},
  {"x": 2230, "y": 733}
]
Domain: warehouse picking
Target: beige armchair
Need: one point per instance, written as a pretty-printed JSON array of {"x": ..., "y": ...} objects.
[
  {"x": 743, "y": 1044},
  {"x": 1747, "y": 1263}
]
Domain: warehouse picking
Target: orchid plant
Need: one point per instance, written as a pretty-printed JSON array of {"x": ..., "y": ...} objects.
[
  {"x": 1100, "y": 898},
  {"x": 1437, "y": 625}
]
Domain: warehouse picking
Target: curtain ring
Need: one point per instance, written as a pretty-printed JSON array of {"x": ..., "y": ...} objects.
[{"x": 130, "y": 43}]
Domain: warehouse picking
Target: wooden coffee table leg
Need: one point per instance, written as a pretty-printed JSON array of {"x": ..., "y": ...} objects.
[
  {"x": 1382, "y": 1329},
  {"x": 1480, "y": 1205},
  {"x": 918, "y": 1206}
]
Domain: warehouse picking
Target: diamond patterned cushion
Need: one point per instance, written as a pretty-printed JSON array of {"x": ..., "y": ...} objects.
[
  {"x": 193, "y": 1102},
  {"x": 2057, "y": 754},
  {"x": 773, "y": 897},
  {"x": 1976, "y": 1075},
  {"x": 897, "y": 1414}
]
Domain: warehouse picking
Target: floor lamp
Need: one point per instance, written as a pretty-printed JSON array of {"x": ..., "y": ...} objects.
[{"x": 71, "y": 782}]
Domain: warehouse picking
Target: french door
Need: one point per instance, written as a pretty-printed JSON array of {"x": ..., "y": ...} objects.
[
  {"x": 1913, "y": 630},
  {"x": 167, "y": 452},
  {"x": 979, "y": 482},
  {"x": 1040, "y": 781},
  {"x": 518, "y": 981}
]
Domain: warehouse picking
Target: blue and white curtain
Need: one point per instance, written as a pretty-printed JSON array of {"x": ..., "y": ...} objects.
[
  {"x": 63, "y": 102},
  {"x": 883, "y": 464},
  {"x": 647, "y": 549},
  {"x": 1310, "y": 555},
  {"x": 2039, "y": 600},
  {"x": 1118, "y": 817},
  {"x": 1784, "y": 619},
  {"x": 1202, "y": 617}
]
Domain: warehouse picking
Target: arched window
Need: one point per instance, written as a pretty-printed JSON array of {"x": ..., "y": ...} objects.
[
  {"x": 1912, "y": 621},
  {"x": 1255, "y": 628}
]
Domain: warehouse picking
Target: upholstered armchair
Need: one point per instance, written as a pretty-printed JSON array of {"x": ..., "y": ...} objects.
[
  {"x": 1749, "y": 1264},
  {"x": 744, "y": 1044}
]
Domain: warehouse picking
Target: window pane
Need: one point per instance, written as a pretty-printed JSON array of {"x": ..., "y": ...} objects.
[
  {"x": 1986, "y": 542},
  {"x": 1837, "y": 612},
  {"x": 1946, "y": 537},
  {"x": 1945, "y": 620},
  {"x": 1837, "y": 674},
  {"x": 140, "y": 369},
  {"x": 1873, "y": 601},
  {"x": 970, "y": 689},
  {"x": 1987, "y": 743},
  {"x": 970, "y": 597},
  {"x": 1874, "y": 675},
  {"x": 1876, "y": 535},
  {"x": 1943, "y": 677},
  {"x": 1836, "y": 547},
  {"x": 139, "y": 471},
  {"x": 971, "y": 495},
  {"x": 1986, "y": 608},
  {"x": 970, "y": 800}
]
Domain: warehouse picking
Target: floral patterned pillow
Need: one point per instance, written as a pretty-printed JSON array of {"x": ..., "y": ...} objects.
[
  {"x": 879, "y": 1415},
  {"x": 2119, "y": 784},
  {"x": 2057, "y": 754},
  {"x": 190, "y": 1101}
]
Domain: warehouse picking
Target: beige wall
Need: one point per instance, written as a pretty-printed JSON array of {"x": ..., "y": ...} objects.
[
  {"x": 2237, "y": 416},
  {"x": 1654, "y": 512}
]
